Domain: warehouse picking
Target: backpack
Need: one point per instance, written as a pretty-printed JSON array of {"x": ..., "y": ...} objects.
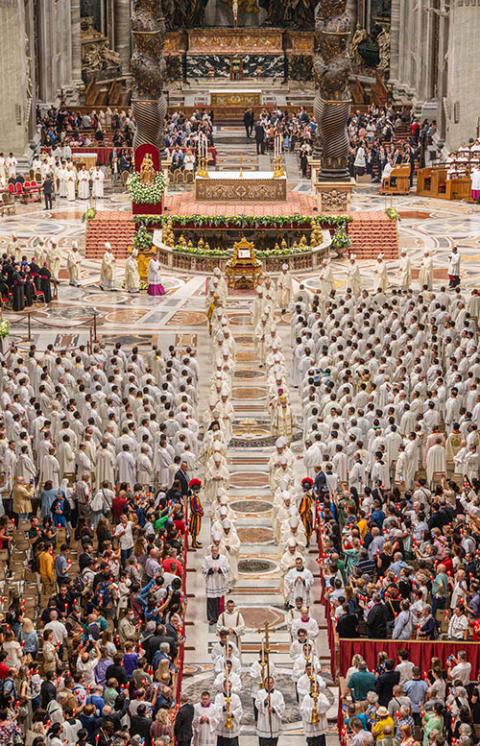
[{"x": 7, "y": 689}]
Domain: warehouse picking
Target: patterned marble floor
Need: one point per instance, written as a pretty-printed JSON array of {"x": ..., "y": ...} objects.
[{"x": 180, "y": 318}]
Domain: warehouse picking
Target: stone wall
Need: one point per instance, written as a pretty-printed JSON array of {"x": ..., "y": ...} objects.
[{"x": 462, "y": 107}]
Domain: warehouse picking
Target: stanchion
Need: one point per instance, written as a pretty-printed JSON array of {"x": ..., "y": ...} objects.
[
  {"x": 29, "y": 327},
  {"x": 94, "y": 327}
]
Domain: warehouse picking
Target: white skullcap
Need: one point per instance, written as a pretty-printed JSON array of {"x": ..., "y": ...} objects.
[
  {"x": 286, "y": 497},
  {"x": 292, "y": 543},
  {"x": 108, "y": 245},
  {"x": 217, "y": 456},
  {"x": 223, "y": 510},
  {"x": 284, "y": 266},
  {"x": 284, "y": 460},
  {"x": 294, "y": 522},
  {"x": 216, "y": 537},
  {"x": 74, "y": 245},
  {"x": 225, "y": 391},
  {"x": 227, "y": 524},
  {"x": 281, "y": 441}
]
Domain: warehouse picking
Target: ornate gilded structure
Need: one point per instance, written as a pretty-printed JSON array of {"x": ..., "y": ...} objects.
[
  {"x": 148, "y": 69},
  {"x": 332, "y": 69}
]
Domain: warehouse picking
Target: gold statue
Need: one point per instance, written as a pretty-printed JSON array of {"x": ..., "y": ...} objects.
[{"x": 147, "y": 170}]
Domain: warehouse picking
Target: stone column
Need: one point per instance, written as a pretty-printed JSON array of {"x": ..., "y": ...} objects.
[
  {"x": 76, "y": 46},
  {"x": 442, "y": 75},
  {"x": 122, "y": 32},
  {"x": 395, "y": 42},
  {"x": 13, "y": 114}
]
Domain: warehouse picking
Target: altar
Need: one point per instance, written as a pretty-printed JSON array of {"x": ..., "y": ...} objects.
[
  {"x": 238, "y": 186},
  {"x": 244, "y": 97}
]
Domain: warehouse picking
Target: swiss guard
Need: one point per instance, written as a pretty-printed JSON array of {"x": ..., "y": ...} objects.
[
  {"x": 305, "y": 508},
  {"x": 196, "y": 511}
]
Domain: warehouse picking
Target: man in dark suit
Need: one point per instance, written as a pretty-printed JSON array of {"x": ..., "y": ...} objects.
[
  {"x": 183, "y": 722},
  {"x": 48, "y": 191},
  {"x": 178, "y": 159},
  {"x": 248, "y": 121},
  {"x": 182, "y": 477},
  {"x": 260, "y": 138}
]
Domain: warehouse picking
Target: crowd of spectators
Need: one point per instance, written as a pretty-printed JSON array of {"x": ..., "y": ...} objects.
[{"x": 96, "y": 657}]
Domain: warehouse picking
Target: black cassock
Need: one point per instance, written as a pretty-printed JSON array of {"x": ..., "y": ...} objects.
[
  {"x": 29, "y": 291},
  {"x": 18, "y": 291},
  {"x": 45, "y": 284},
  {"x": 34, "y": 273}
]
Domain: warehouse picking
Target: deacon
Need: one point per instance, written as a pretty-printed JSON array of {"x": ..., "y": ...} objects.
[
  {"x": 271, "y": 708},
  {"x": 205, "y": 721},
  {"x": 232, "y": 620},
  {"x": 284, "y": 289},
  {"x": 107, "y": 269},
  {"x": 215, "y": 569},
  {"x": 230, "y": 711},
  {"x": 298, "y": 583}
]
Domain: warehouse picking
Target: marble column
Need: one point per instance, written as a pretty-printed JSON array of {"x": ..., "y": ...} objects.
[
  {"x": 395, "y": 42},
  {"x": 13, "y": 83},
  {"x": 76, "y": 46},
  {"x": 123, "y": 32},
  {"x": 442, "y": 75}
]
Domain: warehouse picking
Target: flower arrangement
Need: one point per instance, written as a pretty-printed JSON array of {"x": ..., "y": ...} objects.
[
  {"x": 392, "y": 213},
  {"x": 340, "y": 240},
  {"x": 146, "y": 194},
  {"x": 89, "y": 214},
  {"x": 202, "y": 252},
  {"x": 143, "y": 239},
  {"x": 245, "y": 221},
  {"x": 4, "y": 328}
]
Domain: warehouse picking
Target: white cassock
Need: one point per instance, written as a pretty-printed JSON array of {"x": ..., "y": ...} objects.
[
  {"x": 26, "y": 468},
  {"x": 231, "y": 543},
  {"x": 50, "y": 471},
  {"x": 454, "y": 264},
  {"x": 83, "y": 184},
  {"x": 284, "y": 290},
  {"x": 98, "y": 178},
  {"x": 56, "y": 261},
  {"x": 132, "y": 277},
  {"x": 236, "y": 711},
  {"x": 234, "y": 679},
  {"x": 216, "y": 477},
  {"x": 106, "y": 271},
  {"x": 62, "y": 184},
  {"x": 310, "y": 625},
  {"x": 163, "y": 459},
  {"x": 235, "y": 622},
  {"x": 298, "y": 584},
  {"x": 105, "y": 467},
  {"x": 126, "y": 467},
  {"x": 405, "y": 273},
  {"x": 73, "y": 265},
  {"x": 66, "y": 459},
  {"x": 70, "y": 179},
  {"x": 204, "y": 734},
  {"x": 436, "y": 461},
  {"x": 264, "y": 722},
  {"x": 321, "y": 704},
  {"x": 425, "y": 276},
  {"x": 380, "y": 277},
  {"x": 144, "y": 469},
  {"x": 216, "y": 582},
  {"x": 354, "y": 279}
]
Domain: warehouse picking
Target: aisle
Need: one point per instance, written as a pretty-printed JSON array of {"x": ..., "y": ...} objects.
[{"x": 258, "y": 591}]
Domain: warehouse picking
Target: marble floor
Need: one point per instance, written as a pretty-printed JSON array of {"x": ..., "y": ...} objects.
[{"x": 179, "y": 318}]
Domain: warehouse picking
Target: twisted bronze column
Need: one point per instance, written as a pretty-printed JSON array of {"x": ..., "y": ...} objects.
[
  {"x": 332, "y": 69},
  {"x": 148, "y": 69}
]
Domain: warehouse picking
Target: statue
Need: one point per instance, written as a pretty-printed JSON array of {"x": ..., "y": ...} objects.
[
  {"x": 332, "y": 70},
  {"x": 359, "y": 37},
  {"x": 148, "y": 69},
  {"x": 383, "y": 41},
  {"x": 147, "y": 171},
  {"x": 300, "y": 14}
]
